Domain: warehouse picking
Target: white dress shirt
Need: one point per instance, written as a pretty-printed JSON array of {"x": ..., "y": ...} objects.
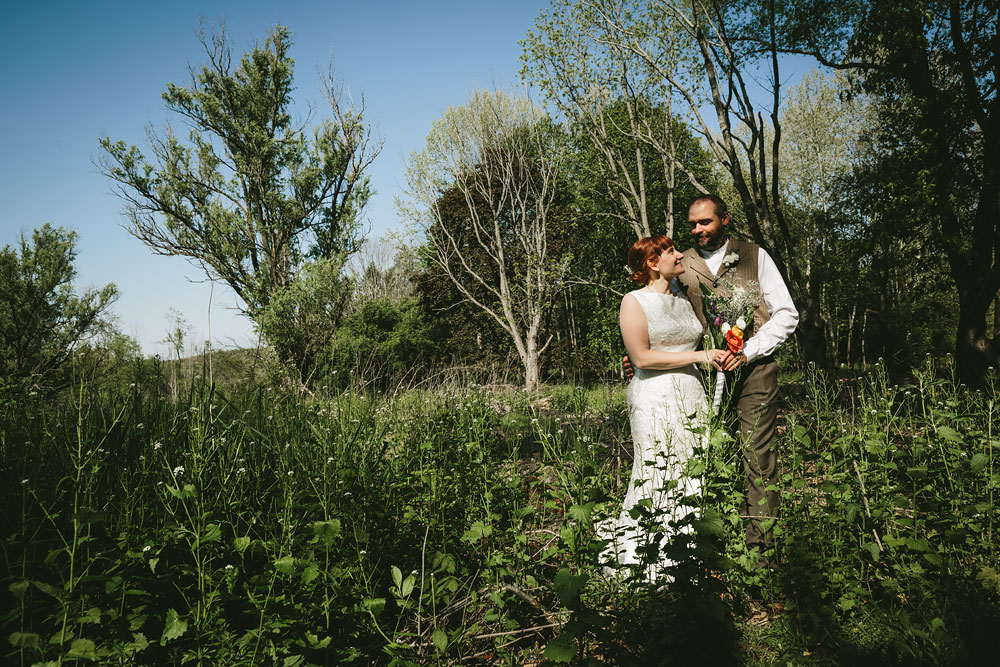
[{"x": 784, "y": 317}]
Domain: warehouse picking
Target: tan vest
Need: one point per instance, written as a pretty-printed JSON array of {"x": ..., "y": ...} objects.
[{"x": 744, "y": 272}]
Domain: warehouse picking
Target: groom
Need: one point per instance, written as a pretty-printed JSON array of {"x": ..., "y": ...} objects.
[{"x": 715, "y": 261}]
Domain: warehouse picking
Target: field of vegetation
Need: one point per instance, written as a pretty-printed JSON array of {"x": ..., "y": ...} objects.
[{"x": 253, "y": 525}]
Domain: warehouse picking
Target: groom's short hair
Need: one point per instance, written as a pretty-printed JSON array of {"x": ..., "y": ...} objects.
[{"x": 720, "y": 206}]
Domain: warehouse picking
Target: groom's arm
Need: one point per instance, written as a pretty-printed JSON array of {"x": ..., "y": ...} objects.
[{"x": 784, "y": 316}]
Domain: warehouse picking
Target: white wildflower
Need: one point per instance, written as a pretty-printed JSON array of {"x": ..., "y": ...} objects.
[
  {"x": 178, "y": 471},
  {"x": 146, "y": 548},
  {"x": 157, "y": 445}
]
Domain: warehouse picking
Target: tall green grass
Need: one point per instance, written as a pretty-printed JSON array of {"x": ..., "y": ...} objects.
[{"x": 430, "y": 527}]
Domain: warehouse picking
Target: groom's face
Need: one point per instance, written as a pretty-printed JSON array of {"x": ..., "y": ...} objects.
[{"x": 707, "y": 227}]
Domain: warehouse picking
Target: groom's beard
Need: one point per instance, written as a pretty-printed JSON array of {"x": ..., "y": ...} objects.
[{"x": 711, "y": 243}]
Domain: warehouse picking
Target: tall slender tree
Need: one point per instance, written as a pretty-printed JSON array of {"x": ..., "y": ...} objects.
[
  {"x": 251, "y": 194},
  {"x": 483, "y": 190}
]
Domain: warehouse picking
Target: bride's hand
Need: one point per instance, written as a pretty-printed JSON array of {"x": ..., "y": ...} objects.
[{"x": 716, "y": 358}]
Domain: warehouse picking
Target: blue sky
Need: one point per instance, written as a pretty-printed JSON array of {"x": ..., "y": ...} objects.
[{"x": 74, "y": 72}]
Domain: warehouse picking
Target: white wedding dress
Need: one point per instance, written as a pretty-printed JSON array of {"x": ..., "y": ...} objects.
[{"x": 666, "y": 407}]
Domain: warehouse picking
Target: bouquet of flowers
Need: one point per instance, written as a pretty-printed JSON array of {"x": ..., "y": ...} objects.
[{"x": 728, "y": 317}]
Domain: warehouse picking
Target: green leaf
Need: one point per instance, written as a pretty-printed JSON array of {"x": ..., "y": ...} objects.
[
  {"x": 152, "y": 564},
  {"x": 92, "y": 615},
  {"x": 873, "y": 550},
  {"x": 293, "y": 661},
  {"x": 440, "y": 639},
  {"x": 978, "y": 463},
  {"x": 212, "y": 533},
  {"x": 373, "y": 605},
  {"x": 397, "y": 576},
  {"x": 325, "y": 532},
  {"x": 711, "y": 525},
  {"x": 407, "y": 587},
  {"x": 933, "y": 558},
  {"x": 582, "y": 513},
  {"x": 309, "y": 574},
  {"x": 285, "y": 565},
  {"x": 476, "y": 532},
  {"x": 48, "y": 589},
  {"x": 949, "y": 434},
  {"x": 561, "y": 649},
  {"x": 173, "y": 628},
  {"x": 138, "y": 643},
  {"x": 568, "y": 586},
  {"x": 82, "y": 649},
  {"x": 241, "y": 544},
  {"x": 24, "y": 639},
  {"x": 19, "y": 588}
]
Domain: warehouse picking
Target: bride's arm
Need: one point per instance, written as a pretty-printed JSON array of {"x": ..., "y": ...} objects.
[{"x": 635, "y": 334}]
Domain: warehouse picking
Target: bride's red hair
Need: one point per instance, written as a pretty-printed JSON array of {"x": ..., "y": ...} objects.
[{"x": 644, "y": 250}]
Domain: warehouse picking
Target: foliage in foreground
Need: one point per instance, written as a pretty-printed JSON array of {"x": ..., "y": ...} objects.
[{"x": 264, "y": 528}]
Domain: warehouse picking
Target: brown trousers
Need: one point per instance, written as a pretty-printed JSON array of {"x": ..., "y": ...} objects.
[{"x": 756, "y": 394}]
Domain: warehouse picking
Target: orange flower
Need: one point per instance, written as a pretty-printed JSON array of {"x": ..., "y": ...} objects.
[{"x": 734, "y": 340}]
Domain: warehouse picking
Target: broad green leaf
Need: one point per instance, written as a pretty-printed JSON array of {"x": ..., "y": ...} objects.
[
  {"x": 173, "y": 628},
  {"x": 19, "y": 588},
  {"x": 138, "y": 643},
  {"x": 949, "y": 434},
  {"x": 293, "y": 661},
  {"x": 82, "y": 649},
  {"x": 397, "y": 576},
  {"x": 373, "y": 605},
  {"x": 309, "y": 574},
  {"x": 582, "y": 512},
  {"x": 440, "y": 639},
  {"x": 241, "y": 543},
  {"x": 561, "y": 649},
  {"x": 933, "y": 558},
  {"x": 48, "y": 589},
  {"x": 285, "y": 565},
  {"x": 568, "y": 586},
  {"x": 212, "y": 533},
  {"x": 478, "y": 531},
  {"x": 873, "y": 549},
  {"x": 325, "y": 532},
  {"x": 407, "y": 587},
  {"x": 152, "y": 564},
  {"x": 24, "y": 639},
  {"x": 978, "y": 462},
  {"x": 92, "y": 615}
]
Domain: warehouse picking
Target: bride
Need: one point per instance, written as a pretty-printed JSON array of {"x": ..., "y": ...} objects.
[{"x": 666, "y": 403}]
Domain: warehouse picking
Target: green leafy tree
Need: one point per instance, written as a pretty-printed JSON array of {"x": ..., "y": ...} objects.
[
  {"x": 500, "y": 158},
  {"x": 933, "y": 65},
  {"x": 42, "y": 320},
  {"x": 251, "y": 194},
  {"x": 303, "y": 317}
]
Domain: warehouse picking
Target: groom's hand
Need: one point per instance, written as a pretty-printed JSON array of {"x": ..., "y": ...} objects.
[
  {"x": 627, "y": 368},
  {"x": 733, "y": 361}
]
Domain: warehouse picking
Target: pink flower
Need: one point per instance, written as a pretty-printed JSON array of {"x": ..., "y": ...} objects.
[{"x": 718, "y": 321}]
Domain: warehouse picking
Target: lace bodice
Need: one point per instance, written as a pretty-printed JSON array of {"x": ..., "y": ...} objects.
[{"x": 673, "y": 326}]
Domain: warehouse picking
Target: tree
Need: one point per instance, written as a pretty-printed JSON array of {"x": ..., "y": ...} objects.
[
  {"x": 485, "y": 186},
  {"x": 934, "y": 66},
  {"x": 251, "y": 194},
  {"x": 705, "y": 55},
  {"x": 302, "y": 318},
  {"x": 42, "y": 321},
  {"x": 622, "y": 106}
]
